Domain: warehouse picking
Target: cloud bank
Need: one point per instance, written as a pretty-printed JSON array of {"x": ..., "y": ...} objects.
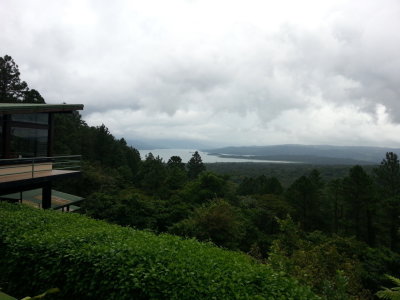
[{"x": 223, "y": 72}]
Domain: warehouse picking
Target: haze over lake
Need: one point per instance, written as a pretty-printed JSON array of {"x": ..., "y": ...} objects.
[{"x": 186, "y": 154}]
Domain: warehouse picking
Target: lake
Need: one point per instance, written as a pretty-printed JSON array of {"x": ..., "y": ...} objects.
[{"x": 186, "y": 154}]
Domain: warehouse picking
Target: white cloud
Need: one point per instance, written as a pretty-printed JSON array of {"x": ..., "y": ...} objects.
[{"x": 237, "y": 72}]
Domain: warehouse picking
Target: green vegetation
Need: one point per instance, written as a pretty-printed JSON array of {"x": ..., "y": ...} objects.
[
  {"x": 88, "y": 259},
  {"x": 393, "y": 293},
  {"x": 285, "y": 173}
]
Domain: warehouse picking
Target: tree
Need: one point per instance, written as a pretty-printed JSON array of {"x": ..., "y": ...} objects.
[
  {"x": 387, "y": 176},
  {"x": 359, "y": 195},
  {"x": 263, "y": 210},
  {"x": 175, "y": 162},
  {"x": 336, "y": 196},
  {"x": 273, "y": 186},
  {"x": 305, "y": 196},
  {"x": 195, "y": 166},
  {"x": 260, "y": 185},
  {"x": 153, "y": 175},
  {"x": 247, "y": 186},
  {"x": 326, "y": 264},
  {"x": 104, "y": 146},
  {"x": 68, "y": 133},
  {"x": 12, "y": 89},
  {"x": 176, "y": 173},
  {"x": 217, "y": 221},
  {"x": 33, "y": 96}
]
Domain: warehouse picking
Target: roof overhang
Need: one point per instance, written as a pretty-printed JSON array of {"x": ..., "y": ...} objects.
[{"x": 25, "y": 108}]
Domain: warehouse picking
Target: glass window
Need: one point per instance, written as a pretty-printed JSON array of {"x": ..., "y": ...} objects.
[
  {"x": 28, "y": 142},
  {"x": 40, "y": 118}
]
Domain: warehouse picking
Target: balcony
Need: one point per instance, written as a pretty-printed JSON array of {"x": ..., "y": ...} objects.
[{"x": 14, "y": 173}]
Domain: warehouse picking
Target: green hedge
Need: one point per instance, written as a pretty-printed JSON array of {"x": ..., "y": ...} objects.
[{"x": 89, "y": 259}]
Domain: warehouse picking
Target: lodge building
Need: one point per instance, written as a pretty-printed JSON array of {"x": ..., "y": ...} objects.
[{"x": 27, "y": 164}]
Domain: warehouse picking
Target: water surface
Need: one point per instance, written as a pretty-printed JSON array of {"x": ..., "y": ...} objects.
[{"x": 186, "y": 154}]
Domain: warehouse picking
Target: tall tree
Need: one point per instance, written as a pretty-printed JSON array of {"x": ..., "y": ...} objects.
[
  {"x": 305, "y": 195},
  {"x": 176, "y": 162},
  {"x": 301, "y": 195},
  {"x": 195, "y": 166},
  {"x": 153, "y": 175},
  {"x": 176, "y": 173},
  {"x": 388, "y": 179},
  {"x": 336, "y": 196},
  {"x": 359, "y": 195},
  {"x": 12, "y": 89}
]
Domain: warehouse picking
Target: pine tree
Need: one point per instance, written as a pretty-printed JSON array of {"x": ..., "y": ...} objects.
[
  {"x": 388, "y": 179},
  {"x": 12, "y": 89},
  {"x": 358, "y": 192},
  {"x": 195, "y": 166}
]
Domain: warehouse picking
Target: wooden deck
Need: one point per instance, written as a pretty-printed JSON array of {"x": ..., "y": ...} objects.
[{"x": 37, "y": 174}]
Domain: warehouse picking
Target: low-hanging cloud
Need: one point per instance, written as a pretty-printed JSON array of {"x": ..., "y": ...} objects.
[{"x": 236, "y": 72}]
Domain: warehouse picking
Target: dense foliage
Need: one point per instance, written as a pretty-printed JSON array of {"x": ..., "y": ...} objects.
[{"x": 88, "y": 259}]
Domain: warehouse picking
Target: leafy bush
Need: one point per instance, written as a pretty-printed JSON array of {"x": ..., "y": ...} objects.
[
  {"x": 216, "y": 221},
  {"x": 318, "y": 261},
  {"x": 89, "y": 259}
]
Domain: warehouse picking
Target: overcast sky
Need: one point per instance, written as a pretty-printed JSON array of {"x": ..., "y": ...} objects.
[{"x": 224, "y": 72}]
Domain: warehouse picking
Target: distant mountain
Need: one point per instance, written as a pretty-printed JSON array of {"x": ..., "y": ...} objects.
[
  {"x": 141, "y": 145},
  {"x": 150, "y": 144},
  {"x": 313, "y": 154}
]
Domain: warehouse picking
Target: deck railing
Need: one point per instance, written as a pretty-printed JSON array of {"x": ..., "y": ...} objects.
[{"x": 36, "y": 165}]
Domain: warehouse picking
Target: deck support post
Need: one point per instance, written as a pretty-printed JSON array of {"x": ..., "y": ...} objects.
[{"x": 46, "y": 196}]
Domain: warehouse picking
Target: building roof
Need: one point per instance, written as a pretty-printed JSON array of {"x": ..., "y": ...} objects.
[{"x": 26, "y": 108}]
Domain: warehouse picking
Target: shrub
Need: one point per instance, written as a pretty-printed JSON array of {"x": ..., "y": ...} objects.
[
  {"x": 216, "y": 221},
  {"x": 89, "y": 259}
]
